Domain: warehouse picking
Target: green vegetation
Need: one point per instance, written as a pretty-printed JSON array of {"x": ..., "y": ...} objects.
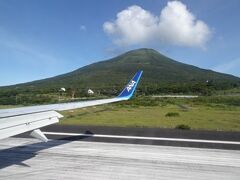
[
  {"x": 161, "y": 75},
  {"x": 188, "y": 114},
  {"x": 221, "y": 113},
  {"x": 183, "y": 127},
  {"x": 172, "y": 114},
  {"x": 8, "y": 106},
  {"x": 217, "y": 108}
]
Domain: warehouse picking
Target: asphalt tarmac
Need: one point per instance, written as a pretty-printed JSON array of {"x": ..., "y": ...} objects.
[
  {"x": 147, "y": 136},
  {"x": 93, "y": 152},
  {"x": 27, "y": 158}
]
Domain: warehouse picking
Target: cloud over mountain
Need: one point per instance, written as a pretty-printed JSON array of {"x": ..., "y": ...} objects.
[{"x": 176, "y": 25}]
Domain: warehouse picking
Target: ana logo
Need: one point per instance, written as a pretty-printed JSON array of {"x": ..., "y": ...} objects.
[{"x": 130, "y": 85}]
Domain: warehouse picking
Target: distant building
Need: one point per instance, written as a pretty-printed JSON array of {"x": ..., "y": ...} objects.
[
  {"x": 62, "y": 89},
  {"x": 90, "y": 92}
]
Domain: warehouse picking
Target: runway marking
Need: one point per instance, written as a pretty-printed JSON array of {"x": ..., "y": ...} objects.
[{"x": 142, "y": 138}]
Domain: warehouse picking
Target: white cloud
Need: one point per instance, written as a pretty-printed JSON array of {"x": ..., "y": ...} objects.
[
  {"x": 231, "y": 67},
  {"x": 176, "y": 25}
]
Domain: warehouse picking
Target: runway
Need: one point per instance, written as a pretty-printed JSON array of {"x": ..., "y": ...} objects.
[
  {"x": 88, "y": 135},
  {"x": 26, "y": 158},
  {"x": 147, "y": 136}
]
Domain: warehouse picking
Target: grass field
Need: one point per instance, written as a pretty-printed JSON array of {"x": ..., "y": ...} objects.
[
  {"x": 8, "y": 106},
  {"x": 208, "y": 113},
  {"x": 162, "y": 113}
]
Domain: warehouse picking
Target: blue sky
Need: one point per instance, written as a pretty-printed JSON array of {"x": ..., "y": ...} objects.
[{"x": 42, "y": 38}]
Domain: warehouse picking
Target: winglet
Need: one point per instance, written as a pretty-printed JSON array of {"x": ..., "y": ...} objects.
[{"x": 129, "y": 90}]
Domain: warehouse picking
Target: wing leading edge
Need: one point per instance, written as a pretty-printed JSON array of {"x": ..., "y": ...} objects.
[{"x": 19, "y": 120}]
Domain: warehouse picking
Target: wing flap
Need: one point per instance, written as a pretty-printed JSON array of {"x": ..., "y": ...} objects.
[{"x": 19, "y": 124}]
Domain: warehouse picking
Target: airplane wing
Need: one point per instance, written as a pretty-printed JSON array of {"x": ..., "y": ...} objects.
[{"x": 19, "y": 120}]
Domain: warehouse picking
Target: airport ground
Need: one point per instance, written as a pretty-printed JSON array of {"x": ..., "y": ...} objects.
[
  {"x": 203, "y": 113},
  {"x": 93, "y": 152},
  {"x": 97, "y": 152},
  {"x": 26, "y": 158},
  {"x": 138, "y": 139},
  {"x": 215, "y": 113}
]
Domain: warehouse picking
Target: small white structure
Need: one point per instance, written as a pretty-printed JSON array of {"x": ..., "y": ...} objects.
[
  {"x": 90, "y": 92},
  {"x": 63, "y": 89}
]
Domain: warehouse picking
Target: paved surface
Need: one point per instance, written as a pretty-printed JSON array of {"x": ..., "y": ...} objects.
[
  {"x": 25, "y": 158},
  {"x": 148, "y": 132},
  {"x": 153, "y": 132}
]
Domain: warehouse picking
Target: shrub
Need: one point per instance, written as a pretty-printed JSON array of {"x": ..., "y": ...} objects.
[
  {"x": 183, "y": 127},
  {"x": 172, "y": 114}
]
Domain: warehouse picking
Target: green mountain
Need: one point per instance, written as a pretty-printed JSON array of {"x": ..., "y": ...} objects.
[{"x": 160, "y": 74}]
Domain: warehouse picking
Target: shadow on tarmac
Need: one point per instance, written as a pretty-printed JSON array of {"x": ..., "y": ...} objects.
[{"x": 17, "y": 155}]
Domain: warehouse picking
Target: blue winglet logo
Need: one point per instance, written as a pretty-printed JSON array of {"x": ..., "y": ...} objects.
[{"x": 128, "y": 91}]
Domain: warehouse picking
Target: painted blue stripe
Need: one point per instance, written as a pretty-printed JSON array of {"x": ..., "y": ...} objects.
[{"x": 129, "y": 90}]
